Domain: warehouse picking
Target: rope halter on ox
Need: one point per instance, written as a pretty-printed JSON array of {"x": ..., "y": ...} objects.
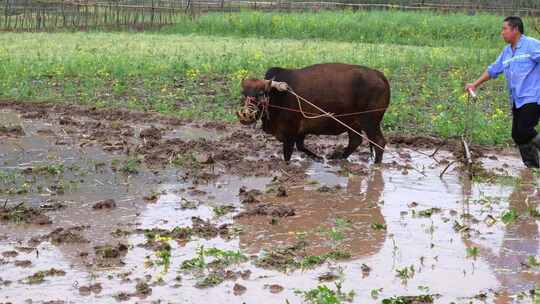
[{"x": 256, "y": 103}]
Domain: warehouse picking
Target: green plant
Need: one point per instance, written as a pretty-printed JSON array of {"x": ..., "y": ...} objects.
[
  {"x": 130, "y": 166},
  {"x": 406, "y": 273},
  {"x": 377, "y": 226},
  {"x": 197, "y": 262},
  {"x": 472, "y": 252},
  {"x": 322, "y": 294},
  {"x": 164, "y": 258},
  {"x": 509, "y": 216}
]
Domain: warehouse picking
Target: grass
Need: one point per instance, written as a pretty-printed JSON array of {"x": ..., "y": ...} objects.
[
  {"x": 130, "y": 166},
  {"x": 322, "y": 294},
  {"x": 39, "y": 277},
  {"x": 221, "y": 259},
  {"x": 164, "y": 258},
  {"x": 212, "y": 279},
  {"x": 378, "y": 226},
  {"x": 316, "y": 260},
  {"x": 336, "y": 233},
  {"x": 196, "y": 75},
  {"x": 509, "y": 216},
  {"x": 13, "y": 182},
  {"x": 533, "y": 262},
  {"x": 52, "y": 169},
  {"x": 406, "y": 273},
  {"x": 472, "y": 252},
  {"x": 409, "y": 299},
  {"x": 407, "y": 28},
  {"x": 220, "y": 211}
]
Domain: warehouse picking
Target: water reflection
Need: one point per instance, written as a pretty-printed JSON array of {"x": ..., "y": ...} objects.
[
  {"x": 350, "y": 211},
  {"x": 520, "y": 241}
]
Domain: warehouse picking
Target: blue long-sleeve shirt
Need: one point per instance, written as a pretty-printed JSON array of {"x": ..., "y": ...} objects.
[{"x": 521, "y": 68}]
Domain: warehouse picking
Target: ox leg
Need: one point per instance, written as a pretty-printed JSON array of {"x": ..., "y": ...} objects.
[
  {"x": 288, "y": 147},
  {"x": 355, "y": 140},
  {"x": 377, "y": 137},
  {"x": 300, "y": 146}
]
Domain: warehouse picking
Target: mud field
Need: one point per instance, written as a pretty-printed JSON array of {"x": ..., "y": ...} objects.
[{"x": 101, "y": 205}]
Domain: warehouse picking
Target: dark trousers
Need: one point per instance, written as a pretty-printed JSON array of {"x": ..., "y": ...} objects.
[{"x": 524, "y": 120}]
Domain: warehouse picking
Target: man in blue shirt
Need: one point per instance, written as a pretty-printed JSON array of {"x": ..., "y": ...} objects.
[{"x": 520, "y": 63}]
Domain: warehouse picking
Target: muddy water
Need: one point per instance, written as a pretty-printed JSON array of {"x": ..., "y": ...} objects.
[{"x": 379, "y": 218}]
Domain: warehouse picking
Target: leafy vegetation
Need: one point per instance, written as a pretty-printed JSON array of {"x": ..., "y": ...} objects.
[{"x": 197, "y": 76}]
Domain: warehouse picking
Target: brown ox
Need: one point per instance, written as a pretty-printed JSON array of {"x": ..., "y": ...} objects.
[{"x": 361, "y": 92}]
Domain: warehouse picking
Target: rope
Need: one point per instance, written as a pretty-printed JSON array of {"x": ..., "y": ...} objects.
[
  {"x": 331, "y": 115},
  {"x": 335, "y": 115}
]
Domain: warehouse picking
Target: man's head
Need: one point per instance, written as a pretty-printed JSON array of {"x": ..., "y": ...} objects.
[{"x": 512, "y": 29}]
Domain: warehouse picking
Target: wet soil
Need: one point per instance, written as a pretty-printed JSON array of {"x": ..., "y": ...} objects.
[{"x": 104, "y": 205}]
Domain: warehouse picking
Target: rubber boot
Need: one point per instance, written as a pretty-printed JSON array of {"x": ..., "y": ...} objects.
[{"x": 529, "y": 155}]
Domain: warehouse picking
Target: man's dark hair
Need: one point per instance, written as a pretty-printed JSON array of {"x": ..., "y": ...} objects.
[{"x": 514, "y": 22}]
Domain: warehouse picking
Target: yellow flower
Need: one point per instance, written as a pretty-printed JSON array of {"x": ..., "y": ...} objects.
[
  {"x": 241, "y": 74},
  {"x": 258, "y": 55},
  {"x": 163, "y": 238},
  {"x": 192, "y": 73}
]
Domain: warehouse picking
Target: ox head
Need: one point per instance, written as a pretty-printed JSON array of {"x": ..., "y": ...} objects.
[{"x": 255, "y": 100}]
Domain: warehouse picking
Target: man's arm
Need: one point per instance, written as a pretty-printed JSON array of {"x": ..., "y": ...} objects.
[
  {"x": 472, "y": 86},
  {"x": 492, "y": 72}
]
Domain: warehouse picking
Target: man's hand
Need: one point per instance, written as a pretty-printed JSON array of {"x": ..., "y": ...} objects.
[{"x": 470, "y": 87}]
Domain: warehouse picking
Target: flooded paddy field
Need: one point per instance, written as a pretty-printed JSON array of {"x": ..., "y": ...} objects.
[{"x": 101, "y": 205}]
